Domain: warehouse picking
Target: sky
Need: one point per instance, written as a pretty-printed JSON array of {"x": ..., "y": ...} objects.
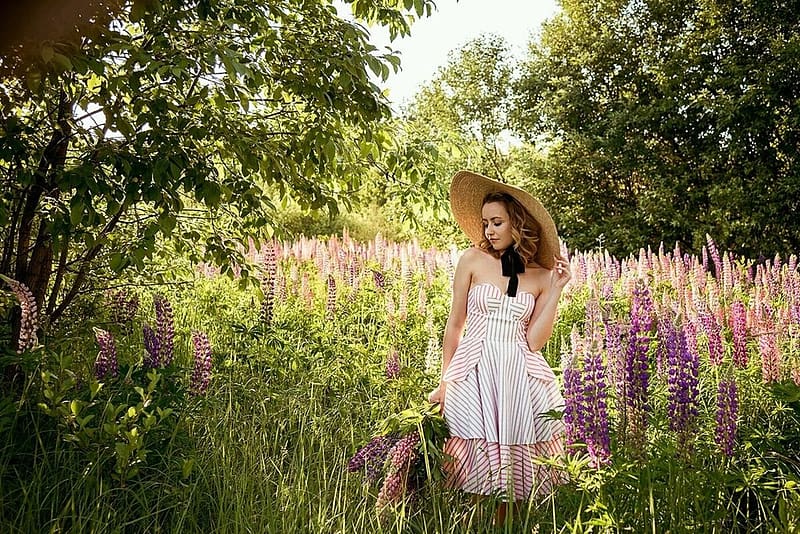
[{"x": 451, "y": 26}]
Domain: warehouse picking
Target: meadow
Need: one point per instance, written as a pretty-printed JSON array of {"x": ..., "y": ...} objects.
[{"x": 215, "y": 406}]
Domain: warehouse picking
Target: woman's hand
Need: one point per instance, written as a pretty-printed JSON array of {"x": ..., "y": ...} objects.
[
  {"x": 437, "y": 396},
  {"x": 561, "y": 274}
]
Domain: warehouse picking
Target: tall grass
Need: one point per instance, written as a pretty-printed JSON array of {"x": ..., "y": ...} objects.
[{"x": 265, "y": 449}]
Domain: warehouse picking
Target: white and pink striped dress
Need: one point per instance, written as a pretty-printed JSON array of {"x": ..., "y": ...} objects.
[{"x": 497, "y": 392}]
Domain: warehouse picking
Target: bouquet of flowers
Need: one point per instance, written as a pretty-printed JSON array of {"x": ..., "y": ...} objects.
[{"x": 406, "y": 451}]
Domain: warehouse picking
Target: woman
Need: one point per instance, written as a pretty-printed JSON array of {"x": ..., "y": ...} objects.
[{"x": 496, "y": 387}]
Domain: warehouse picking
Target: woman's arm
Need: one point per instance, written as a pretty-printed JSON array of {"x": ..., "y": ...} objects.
[
  {"x": 540, "y": 327},
  {"x": 458, "y": 316}
]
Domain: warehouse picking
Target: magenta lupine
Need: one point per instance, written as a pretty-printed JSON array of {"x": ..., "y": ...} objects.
[
  {"x": 29, "y": 318},
  {"x": 768, "y": 344},
  {"x": 713, "y": 333},
  {"x": 683, "y": 386},
  {"x": 727, "y": 413},
  {"x": 401, "y": 460},
  {"x": 372, "y": 457},
  {"x": 152, "y": 359},
  {"x": 393, "y": 365},
  {"x": 106, "y": 363},
  {"x": 201, "y": 374},
  {"x": 165, "y": 329},
  {"x": 739, "y": 330}
]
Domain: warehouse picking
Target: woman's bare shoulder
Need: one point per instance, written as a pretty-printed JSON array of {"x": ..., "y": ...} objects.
[{"x": 474, "y": 254}]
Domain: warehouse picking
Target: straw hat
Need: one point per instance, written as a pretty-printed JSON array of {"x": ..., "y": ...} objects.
[{"x": 467, "y": 191}]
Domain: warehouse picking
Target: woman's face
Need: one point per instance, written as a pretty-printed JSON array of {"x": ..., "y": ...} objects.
[{"x": 497, "y": 225}]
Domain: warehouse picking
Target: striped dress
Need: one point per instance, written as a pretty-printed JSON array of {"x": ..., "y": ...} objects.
[{"x": 496, "y": 393}]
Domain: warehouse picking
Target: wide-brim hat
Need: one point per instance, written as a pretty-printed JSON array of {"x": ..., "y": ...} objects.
[{"x": 467, "y": 191}]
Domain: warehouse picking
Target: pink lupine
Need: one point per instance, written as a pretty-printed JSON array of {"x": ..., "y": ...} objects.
[
  {"x": 739, "y": 330},
  {"x": 29, "y": 319},
  {"x": 393, "y": 365},
  {"x": 201, "y": 374}
]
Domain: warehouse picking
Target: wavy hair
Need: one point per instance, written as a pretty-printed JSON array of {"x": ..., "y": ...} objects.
[{"x": 525, "y": 230}]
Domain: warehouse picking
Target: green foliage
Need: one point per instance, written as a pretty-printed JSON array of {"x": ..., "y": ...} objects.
[
  {"x": 668, "y": 121},
  {"x": 187, "y": 121}
]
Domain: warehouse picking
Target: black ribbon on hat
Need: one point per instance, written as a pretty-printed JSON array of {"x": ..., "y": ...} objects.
[{"x": 512, "y": 264}]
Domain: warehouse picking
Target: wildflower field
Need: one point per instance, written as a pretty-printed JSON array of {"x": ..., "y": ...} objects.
[{"x": 299, "y": 406}]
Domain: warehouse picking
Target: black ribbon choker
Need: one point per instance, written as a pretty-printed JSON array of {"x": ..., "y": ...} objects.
[{"x": 512, "y": 264}]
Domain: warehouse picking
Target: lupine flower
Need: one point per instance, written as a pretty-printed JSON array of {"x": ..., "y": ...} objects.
[
  {"x": 683, "y": 386},
  {"x": 402, "y": 303},
  {"x": 151, "y": 357},
  {"x": 636, "y": 363},
  {"x": 393, "y": 365},
  {"x": 727, "y": 412},
  {"x": 739, "y": 329},
  {"x": 713, "y": 335},
  {"x": 123, "y": 306},
  {"x": 401, "y": 460},
  {"x": 201, "y": 374},
  {"x": 29, "y": 320},
  {"x": 796, "y": 375},
  {"x": 165, "y": 329},
  {"x": 106, "y": 362},
  {"x": 331, "y": 304},
  {"x": 268, "y": 289},
  {"x": 372, "y": 457},
  {"x": 379, "y": 279}
]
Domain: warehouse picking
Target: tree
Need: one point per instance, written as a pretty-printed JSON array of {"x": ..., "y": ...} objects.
[
  {"x": 669, "y": 120},
  {"x": 178, "y": 109}
]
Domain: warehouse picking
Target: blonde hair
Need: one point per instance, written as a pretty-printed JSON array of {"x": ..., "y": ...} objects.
[{"x": 525, "y": 230}]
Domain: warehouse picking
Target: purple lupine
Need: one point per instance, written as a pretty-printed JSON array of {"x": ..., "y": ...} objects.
[
  {"x": 683, "y": 386},
  {"x": 201, "y": 374},
  {"x": 393, "y": 365},
  {"x": 573, "y": 406},
  {"x": 151, "y": 357},
  {"x": 165, "y": 329},
  {"x": 616, "y": 356},
  {"x": 713, "y": 332},
  {"x": 123, "y": 306},
  {"x": 268, "y": 289},
  {"x": 29, "y": 319},
  {"x": 379, "y": 279},
  {"x": 106, "y": 362},
  {"x": 739, "y": 329},
  {"x": 372, "y": 457},
  {"x": 595, "y": 397},
  {"x": 636, "y": 363},
  {"x": 727, "y": 412}
]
